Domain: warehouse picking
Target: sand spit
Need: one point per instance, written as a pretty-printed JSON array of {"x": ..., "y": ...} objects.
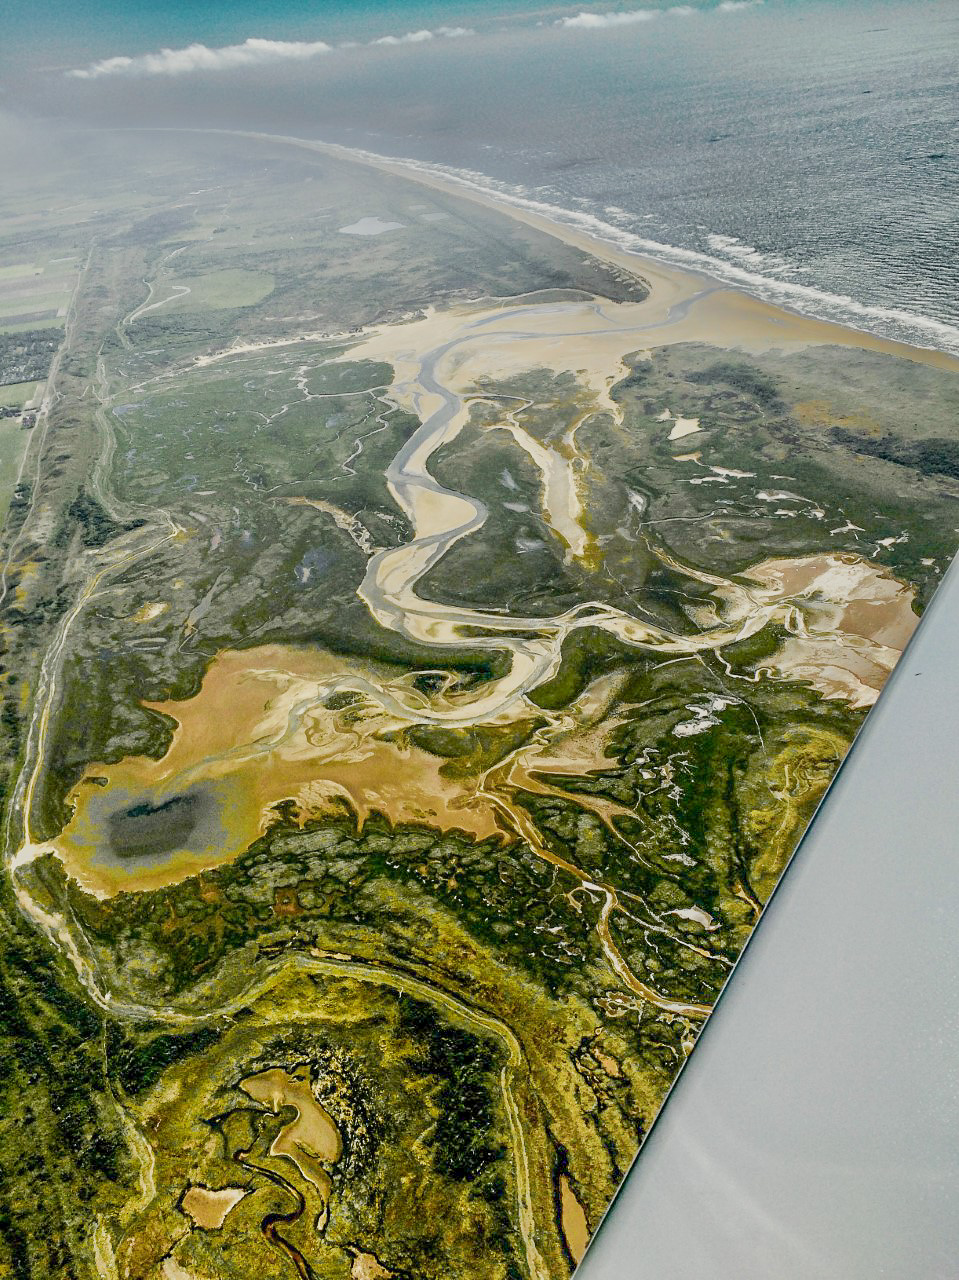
[{"x": 733, "y": 318}]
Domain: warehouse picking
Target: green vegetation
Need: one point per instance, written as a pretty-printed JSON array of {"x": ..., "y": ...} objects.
[
  {"x": 747, "y": 379},
  {"x": 220, "y": 290},
  {"x": 17, "y": 394},
  {"x": 467, "y": 1068},
  {"x": 96, "y": 527},
  {"x": 473, "y": 1014},
  {"x": 58, "y": 1125},
  {"x": 789, "y": 434},
  {"x": 932, "y": 457},
  {"x": 13, "y": 441}
]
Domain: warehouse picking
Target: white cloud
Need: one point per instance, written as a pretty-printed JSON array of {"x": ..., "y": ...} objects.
[
  {"x": 251, "y": 53},
  {"x": 599, "y": 21},
  {"x": 199, "y": 57},
  {"x": 411, "y": 37},
  {"x": 418, "y": 37},
  {"x": 586, "y": 21}
]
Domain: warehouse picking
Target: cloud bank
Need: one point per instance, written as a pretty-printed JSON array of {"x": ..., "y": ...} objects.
[
  {"x": 199, "y": 57},
  {"x": 418, "y": 37},
  {"x": 258, "y": 52},
  {"x": 251, "y": 53},
  {"x": 628, "y": 17},
  {"x": 597, "y": 21}
]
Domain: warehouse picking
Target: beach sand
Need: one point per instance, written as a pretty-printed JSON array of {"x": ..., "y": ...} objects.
[{"x": 716, "y": 313}]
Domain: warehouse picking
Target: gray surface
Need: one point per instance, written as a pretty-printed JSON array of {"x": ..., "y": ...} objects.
[{"x": 813, "y": 1134}]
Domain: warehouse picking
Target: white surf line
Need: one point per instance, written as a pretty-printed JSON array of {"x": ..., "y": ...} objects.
[{"x": 640, "y": 256}]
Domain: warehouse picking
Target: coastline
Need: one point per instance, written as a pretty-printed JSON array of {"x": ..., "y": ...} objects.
[{"x": 705, "y": 303}]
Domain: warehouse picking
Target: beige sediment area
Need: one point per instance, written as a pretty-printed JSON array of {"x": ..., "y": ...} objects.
[
  {"x": 259, "y": 730},
  {"x": 259, "y": 733},
  {"x": 311, "y": 1140},
  {"x": 367, "y": 1266},
  {"x": 681, "y": 427},
  {"x": 356, "y": 529},
  {"x": 443, "y": 358},
  {"x": 866, "y": 607},
  {"x": 562, "y": 507},
  {"x": 209, "y": 1208},
  {"x": 608, "y": 1063},
  {"x": 573, "y": 744},
  {"x": 173, "y": 1271},
  {"x": 573, "y": 1220},
  {"x": 724, "y": 316},
  {"x": 148, "y": 612}
]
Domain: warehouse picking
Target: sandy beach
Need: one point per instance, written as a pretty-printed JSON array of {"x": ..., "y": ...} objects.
[{"x": 710, "y": 310}]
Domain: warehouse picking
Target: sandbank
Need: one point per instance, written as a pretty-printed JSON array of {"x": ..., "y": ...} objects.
[{"x": 730, "y": 317}]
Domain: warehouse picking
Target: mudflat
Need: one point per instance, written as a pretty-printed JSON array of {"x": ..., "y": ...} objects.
[{"x": 437, "y": 638}]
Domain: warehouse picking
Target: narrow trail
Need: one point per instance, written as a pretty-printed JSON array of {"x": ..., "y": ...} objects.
[
  {"x": 33, "y": 454},
  {"x": 177, "y": 291}
]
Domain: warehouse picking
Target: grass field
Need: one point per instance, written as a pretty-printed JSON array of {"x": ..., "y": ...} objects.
[
  {"x": 18, "y": 394},
  {"x": 28, "y": 305},
  {"x": 48, "y": 320},
  {"x": 18, "y": 271},
  {"x": 222, "y": 289}
]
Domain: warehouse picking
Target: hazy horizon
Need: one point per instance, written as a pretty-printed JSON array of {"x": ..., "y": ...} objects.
[{"x": 806, "y": 149}]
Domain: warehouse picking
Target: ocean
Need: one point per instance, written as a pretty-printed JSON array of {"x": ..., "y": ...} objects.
[
  {"x": 809, "y": 154},
  {"x": 806, "y": 150}
]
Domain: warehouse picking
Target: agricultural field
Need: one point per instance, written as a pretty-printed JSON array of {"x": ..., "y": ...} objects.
[
  {"x": 35, "y": 295},
  {"x": 422, "y": 652}
]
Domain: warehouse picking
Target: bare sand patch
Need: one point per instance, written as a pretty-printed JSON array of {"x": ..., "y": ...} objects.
[
  {"x": 151, "y": 611},
  {"x": 370, "y": 226},
  {"x": 259, "y": 732},
  {"x": 311, "y": 1141},
  {"x": 856, "y": 619},
  {"x": 573, "y": 1220},
  {"x": 209, "y": 1208},
  {"x": 367, "y": 1266}
]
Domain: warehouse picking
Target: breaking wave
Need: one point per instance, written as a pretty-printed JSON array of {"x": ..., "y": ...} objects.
[{"x": 764, "y": 275}]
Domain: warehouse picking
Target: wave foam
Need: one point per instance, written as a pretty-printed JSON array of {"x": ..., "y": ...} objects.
[{"x": 745, "y": 272}]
